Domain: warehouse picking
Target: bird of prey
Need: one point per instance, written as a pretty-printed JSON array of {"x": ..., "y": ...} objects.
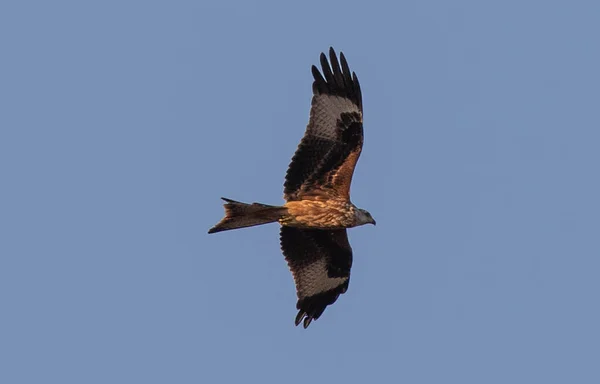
[{"x": 317, "y": 192}]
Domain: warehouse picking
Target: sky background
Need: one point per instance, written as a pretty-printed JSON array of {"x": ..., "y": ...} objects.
[{"x": 123, "y": 123}]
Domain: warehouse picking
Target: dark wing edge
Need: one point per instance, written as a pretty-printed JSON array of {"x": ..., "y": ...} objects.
[
  {"x": 336, "y": 81},
  {"x": 334, "y": 132},
  {"x": 320, "y": 262}
]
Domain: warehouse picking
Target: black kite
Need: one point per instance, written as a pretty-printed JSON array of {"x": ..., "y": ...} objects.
[{"x": 317, "y": 193}]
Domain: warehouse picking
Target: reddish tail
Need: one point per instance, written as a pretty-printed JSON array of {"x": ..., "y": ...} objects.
[{"x": 241, "y": 215}]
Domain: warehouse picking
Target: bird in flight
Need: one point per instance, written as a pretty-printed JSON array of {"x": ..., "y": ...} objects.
[{"x": 317, "y": 193}]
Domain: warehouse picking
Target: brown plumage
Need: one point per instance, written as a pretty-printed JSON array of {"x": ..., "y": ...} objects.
[{"x": 317, "y": 192}]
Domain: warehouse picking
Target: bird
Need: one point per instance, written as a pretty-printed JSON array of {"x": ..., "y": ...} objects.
[{"x": 318, "y": 210}]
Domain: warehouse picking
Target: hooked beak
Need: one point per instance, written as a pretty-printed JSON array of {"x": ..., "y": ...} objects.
[{"x": 373, "y": 222}]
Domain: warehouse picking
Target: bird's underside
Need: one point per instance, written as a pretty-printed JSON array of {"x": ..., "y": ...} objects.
[{"x": 317, "y": 193}]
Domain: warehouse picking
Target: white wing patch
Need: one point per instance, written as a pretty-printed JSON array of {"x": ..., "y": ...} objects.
[
  {"x": 312, "y": 279},
  {"x": 325, "y": 112}
]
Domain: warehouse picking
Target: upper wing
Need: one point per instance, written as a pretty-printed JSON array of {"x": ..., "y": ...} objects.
[
  {"x": 325, "y": 159},
  {"x": 320, "y": 262}
]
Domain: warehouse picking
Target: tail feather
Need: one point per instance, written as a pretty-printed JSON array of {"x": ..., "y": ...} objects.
[{"x": 241, "y": 215}]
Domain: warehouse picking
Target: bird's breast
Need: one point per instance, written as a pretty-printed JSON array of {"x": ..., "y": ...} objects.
[{"x": 319, "y": 214}]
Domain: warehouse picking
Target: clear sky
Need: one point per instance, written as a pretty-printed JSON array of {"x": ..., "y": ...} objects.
[{"x": 123, "y": 123}]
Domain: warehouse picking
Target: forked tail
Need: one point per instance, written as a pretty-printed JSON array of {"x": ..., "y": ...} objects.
[{"x": 241, "y": 215}]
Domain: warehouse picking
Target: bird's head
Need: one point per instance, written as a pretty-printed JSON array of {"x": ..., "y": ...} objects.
[{"x": 364, "y": 217}]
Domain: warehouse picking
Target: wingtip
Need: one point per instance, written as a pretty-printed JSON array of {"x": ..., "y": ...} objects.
[
  {"x": 357, "y": 85},
  {"x": 304, "y": 318},
  {"x": 307, "y": 321},
  {"x": 299, "y": 317}
]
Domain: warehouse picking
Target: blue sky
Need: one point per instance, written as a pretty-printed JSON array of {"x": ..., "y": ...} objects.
[{"x": 123, "y": 123}]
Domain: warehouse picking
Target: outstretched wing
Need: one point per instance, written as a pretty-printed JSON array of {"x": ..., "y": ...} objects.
[
  {"x": 325, "y": 159},
  {"x": 320, "y": 261}
]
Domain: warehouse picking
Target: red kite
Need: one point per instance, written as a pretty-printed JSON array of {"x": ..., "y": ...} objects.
[{"x": 317, "y": 192}]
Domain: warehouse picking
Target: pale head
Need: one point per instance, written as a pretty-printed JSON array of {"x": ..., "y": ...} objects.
[{"x": 363, "y": 217}]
